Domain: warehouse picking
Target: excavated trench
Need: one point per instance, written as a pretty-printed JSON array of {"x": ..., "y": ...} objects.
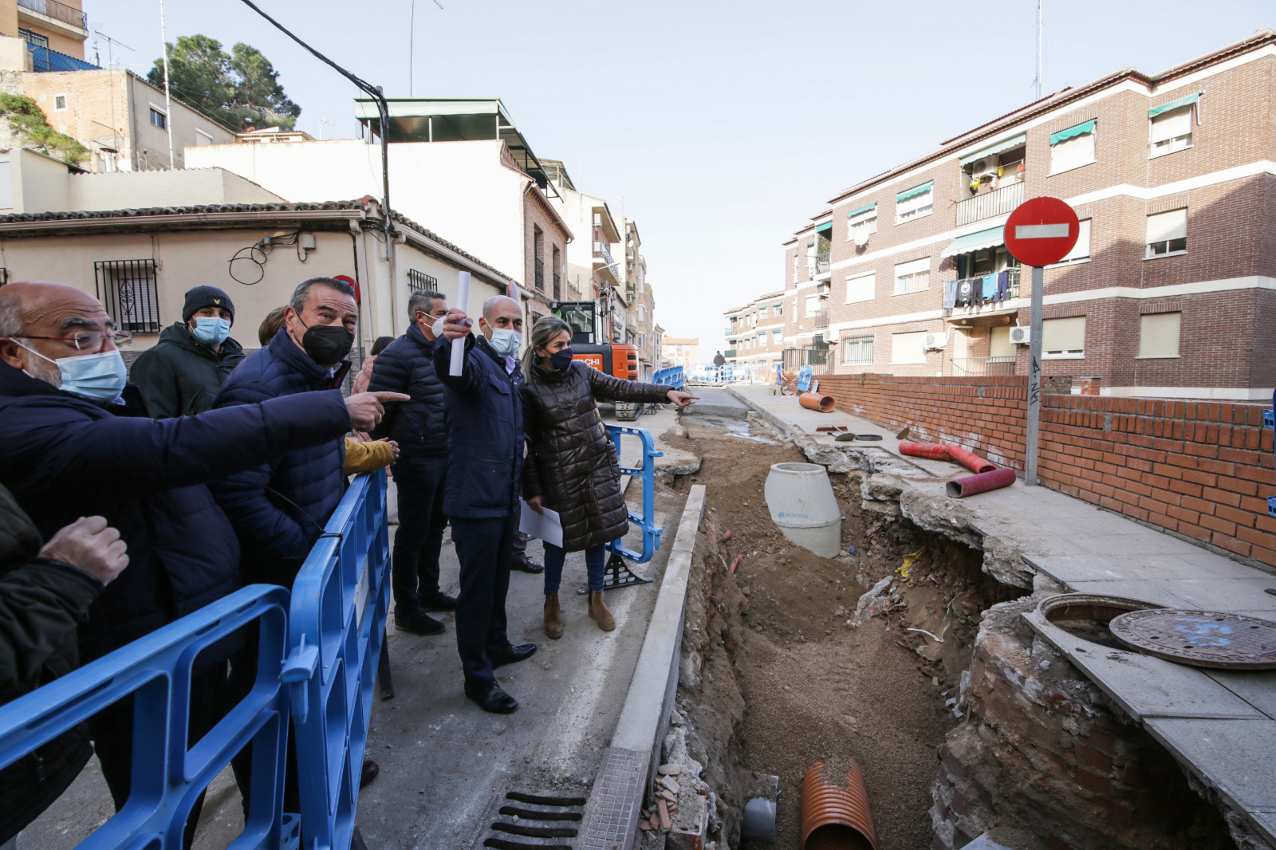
[{"x": 905, "y": 654}]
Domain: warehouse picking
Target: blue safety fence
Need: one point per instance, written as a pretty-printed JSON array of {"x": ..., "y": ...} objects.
[
  {"x": 804, "y": 378},
  {"x": 336, "y": 628},
  {"x": 646, "y": 521},
  {"x": 170, "y": 772},
  {"x": 672, "y": 377},
  {"x": 1268, "y": 420}
]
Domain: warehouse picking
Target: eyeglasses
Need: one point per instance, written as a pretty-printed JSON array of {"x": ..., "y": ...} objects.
[{"x": 88, "y": 340}]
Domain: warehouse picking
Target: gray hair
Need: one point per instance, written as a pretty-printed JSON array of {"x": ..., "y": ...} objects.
[
  {"x": 545, "y": 329},
  {"x": 10, "y": 314},
  {"x": 420, "y": 302},
  {"x": 299, "y": 294}
]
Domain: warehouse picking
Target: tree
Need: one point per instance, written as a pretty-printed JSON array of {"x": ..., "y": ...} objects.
[
  {"x": 28, "y": 122},
  {"x": 238, "y": 89}
]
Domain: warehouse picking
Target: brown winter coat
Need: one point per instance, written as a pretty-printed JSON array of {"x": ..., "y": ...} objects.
[{"x": 571, "y": 463}]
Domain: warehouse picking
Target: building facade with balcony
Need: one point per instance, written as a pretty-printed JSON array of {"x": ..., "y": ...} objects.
[
  {"x": 1170, "y": 290},
  {"x": 51, "y": 28},
  {"x": 756, "y": 337}
]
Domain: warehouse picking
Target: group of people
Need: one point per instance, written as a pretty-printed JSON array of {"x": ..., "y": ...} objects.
[{"x": 126, "y": 504}]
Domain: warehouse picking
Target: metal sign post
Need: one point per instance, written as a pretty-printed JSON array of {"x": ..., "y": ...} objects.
[{"x": 1034, "y": 377}]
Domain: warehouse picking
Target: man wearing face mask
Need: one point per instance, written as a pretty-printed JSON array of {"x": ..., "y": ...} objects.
[
  {"x": 68, "y": 449},
  {"x": 481, "y": 496},
  {"x": 182, "y": 374}
]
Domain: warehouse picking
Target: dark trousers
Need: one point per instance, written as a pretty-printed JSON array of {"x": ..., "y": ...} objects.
[
  {"x": 112, "y": 731},
  {"x": 483, "y": 548},
  {"x": 415, "y": 569},
  {"x": 595, "y": 567}
]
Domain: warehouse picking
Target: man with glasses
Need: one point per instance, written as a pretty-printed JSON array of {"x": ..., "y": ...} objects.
[
  {"x": 69, "y": 448},
  {"x": 484, "y": 480},
  {"x": 419, "y": 427}
]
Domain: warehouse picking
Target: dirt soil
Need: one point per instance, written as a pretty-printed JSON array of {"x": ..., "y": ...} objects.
[{"x": 812, "y": 685}]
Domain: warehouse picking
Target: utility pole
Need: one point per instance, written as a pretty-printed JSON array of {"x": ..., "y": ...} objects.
[
  {"x": 168, "y": 97},
  {"x": 412, "y": 51},
  {"x": 1041, "y": 46}
]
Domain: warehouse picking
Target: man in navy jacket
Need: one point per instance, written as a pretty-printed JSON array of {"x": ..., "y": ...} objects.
[
  {"x": 481, "y": 496},
  {"x": 419, "y": 427},
  {"x": 69, "y": 448}
]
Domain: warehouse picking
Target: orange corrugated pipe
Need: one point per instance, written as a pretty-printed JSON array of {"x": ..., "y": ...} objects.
[
  {"x": 946, "y": 451},
  {"x": 815, "y": 401},
  {"x": 836, "y": 817}
]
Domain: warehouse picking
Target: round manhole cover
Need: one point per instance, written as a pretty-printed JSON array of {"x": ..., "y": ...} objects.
[{"x": 1200, "y": 638}]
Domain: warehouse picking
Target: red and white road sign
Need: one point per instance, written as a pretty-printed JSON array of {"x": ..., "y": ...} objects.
[{"x": 1042, "y": 231}]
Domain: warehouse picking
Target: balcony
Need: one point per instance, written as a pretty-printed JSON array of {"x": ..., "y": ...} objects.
[
  {"x": 980, "y": 367},
  {"x": 979, "y": 306},
  {"x": 821, "y": 266},
  {"x": 989, "y": 204},
  {"x": 44, "y": 60},
  {"x": 58, "y": 12}
]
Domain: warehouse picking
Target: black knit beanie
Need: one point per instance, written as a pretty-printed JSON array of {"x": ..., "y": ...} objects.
[{"x": 206, "y": 296}]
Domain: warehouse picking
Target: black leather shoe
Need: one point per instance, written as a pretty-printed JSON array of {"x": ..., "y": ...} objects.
[
  {"x": 512, "y": 655},
  {"x": 527, "y": 565},
  {"x": 491, "y": 698},
  {"x": 416, "y": 621},
  {"x": 438, "y": 601}
]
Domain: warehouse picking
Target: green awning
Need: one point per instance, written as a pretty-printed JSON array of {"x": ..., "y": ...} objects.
[
  {"x": 1000, "y": 147},
  {"x": 974, "y": 242},
  {"x": 862, "y": 210},
  {"x": 914, "y": 192},
  {"x": 826, "y": 227},
  {"x": 1072, "y": 132},
  {"x": 1177, "y": 103}
]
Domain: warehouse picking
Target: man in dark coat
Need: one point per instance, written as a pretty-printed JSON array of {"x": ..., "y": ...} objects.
[
  {"x": 68, "y": 449},
  {"x": 419, "y": 427},
  {"x": 481, "y": 496},
  {"x": 45, "y": 594},
  {"x": 183, "y": 372}
]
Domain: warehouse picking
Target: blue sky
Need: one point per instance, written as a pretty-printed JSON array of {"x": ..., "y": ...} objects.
[{"x": 719, "y": 126}]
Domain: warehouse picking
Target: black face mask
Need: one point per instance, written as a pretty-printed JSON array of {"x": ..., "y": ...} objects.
[
  {"x": 561, "y": 359},
  {"x": 327, "y": 345}
]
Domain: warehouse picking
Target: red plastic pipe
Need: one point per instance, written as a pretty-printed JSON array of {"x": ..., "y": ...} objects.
[
  {"x": 981, "y": 482},
  {"x": 930, "y": 451},
  {"x": 968, "y": 459}
]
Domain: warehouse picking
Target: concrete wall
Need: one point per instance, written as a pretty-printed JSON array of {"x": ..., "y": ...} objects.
[
  {"x": 190, "y": 128},
  {"x": 162, "y": 189}
]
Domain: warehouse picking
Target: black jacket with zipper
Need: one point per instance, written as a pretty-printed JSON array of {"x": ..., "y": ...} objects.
[{"x": 181, "y": 377}]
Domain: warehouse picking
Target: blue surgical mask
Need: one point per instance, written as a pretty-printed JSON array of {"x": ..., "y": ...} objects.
[
  {"x": 561, "y": 359},
  {"x": 506, "y": 342},
  {"x": 211, "y": 330},
  {"x": 100, "y": 377}
]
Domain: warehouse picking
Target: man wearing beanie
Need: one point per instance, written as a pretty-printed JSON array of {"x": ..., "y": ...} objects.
[{"x": 182, "y": 374}]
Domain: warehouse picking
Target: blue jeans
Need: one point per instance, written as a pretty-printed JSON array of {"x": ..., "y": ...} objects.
[{"x": 595, "y": 562}]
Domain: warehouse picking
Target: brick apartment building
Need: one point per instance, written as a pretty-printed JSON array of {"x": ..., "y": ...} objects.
[
  {"x": 755, "y": 336},
  {"x": 1170, "y": 292}
]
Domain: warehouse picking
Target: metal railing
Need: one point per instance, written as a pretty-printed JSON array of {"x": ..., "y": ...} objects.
[
  {"x": 980, "y": 303},
  {"x": 419, "y": 281},
  {"x": 602, "y": 248},
  {"x": 539, "y": 268},
  {"x": 58, "y": 11},
  {"x": 980, "y": 366},
  {"x": 821, "y": 265},
  {"x": 128, "y": 290},
  {"x": 989, "y": 204},
  {"x": 821, "y": 318}
]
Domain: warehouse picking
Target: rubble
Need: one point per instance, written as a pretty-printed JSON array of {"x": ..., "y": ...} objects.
[{"x": 675, "y": 463}]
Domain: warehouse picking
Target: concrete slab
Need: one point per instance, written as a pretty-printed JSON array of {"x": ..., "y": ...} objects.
[
  {"x": 1228, "y": 754},
  {"x": 1092, "y": 567},
  {"x": 1156, "y": 591},
  {"x": 715, "y": 401},
  {"x": 1234, "y": 594},
  {"x": 1255, "y": 687},
  {"x": 1144, "y": 686}
]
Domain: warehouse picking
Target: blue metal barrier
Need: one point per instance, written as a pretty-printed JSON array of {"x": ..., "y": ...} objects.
[
  {"x": 673, "y": 377},
  {"x": 805, "y": 375},
  {"x": 169, "y": 773},
  {"x": 336, "y": 628},
  {"x": 1268, "y": 420},
  {"x": 646, "y": 521}
]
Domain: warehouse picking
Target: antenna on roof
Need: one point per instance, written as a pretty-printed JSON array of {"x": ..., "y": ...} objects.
[
  {"x": 110, "y": 49},
  {"x": 1041, "y": 46}
]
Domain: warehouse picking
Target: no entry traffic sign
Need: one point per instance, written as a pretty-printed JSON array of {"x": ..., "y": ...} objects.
[{"x": 1042, "y": 231}]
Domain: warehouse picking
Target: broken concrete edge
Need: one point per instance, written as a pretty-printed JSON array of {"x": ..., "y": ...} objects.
[{"x": 611, "y": 816}]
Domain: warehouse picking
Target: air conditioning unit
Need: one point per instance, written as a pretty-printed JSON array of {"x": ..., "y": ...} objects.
[
  {"x": 1021, "y": 334},
  {"x": 936, "y": 342}
]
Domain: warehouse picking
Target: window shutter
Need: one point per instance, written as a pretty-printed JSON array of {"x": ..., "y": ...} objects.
[
  {"x": 861, "y": 288},
  {"x": 1082, "y": 248},
  {"x": 999, "y": 342},
  {"x": 908, "y": 347},
  {"x": 1063, "y": 335},
  {"x": 1159, "y": 334},
  {"x": 1171, "y": 125},
  {"x": 1167, "y": 225},
  {"x": 913, "y": 267}
]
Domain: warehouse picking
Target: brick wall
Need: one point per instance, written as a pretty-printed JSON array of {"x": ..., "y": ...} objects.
[{"x": 1201, "y": 469}]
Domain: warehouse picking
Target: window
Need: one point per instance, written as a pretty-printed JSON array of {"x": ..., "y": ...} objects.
[
  {"x": 1159, "y": 335},
  {"x": 862, "y": 287},
  {"x": 158, "y": 119},
  {"x": 1167, "y": 233},
  {"x": 812, "y": 305},
  {"x": 999, "y": 344},
  {"x": 128, "y": 291},
  {"x": 857, "y": 351},
  {"x": 33, "y": 39},
  {"x": 915, "y": 202},
  {"x": 1073, "y": 147},
  {"x": 1170, "y": 131},
  {"x": 912, "y": 277},
  {"x": 795, "y": 265},
  {"x": 908, "y": 347},
  {"x": 203, "y": 138},
  {"x": 1081, "y": 250},
  {"x": 642, "y": 312},
  {"x": 1063, "y": 339},
  {"x": 861, "y": 223},
  {"x": 419, "y": 281},
  {"x": 538, "y": 257},
  {"x": 777, "y": 337},
  {"x": 59, "y": 102},
  {"x": 558, "y": 273},
  {"x": 777, "y": 310}
]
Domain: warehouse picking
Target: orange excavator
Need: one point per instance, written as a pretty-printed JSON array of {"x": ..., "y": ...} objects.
[{"x": 611, "y": 358}]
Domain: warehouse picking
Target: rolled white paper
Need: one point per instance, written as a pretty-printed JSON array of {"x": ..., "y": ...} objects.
[{"x": 457, "y": 366}]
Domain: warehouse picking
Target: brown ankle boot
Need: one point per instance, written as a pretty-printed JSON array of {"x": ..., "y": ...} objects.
[
  {"x": 599, "y": 614},
  {"x": 553, "y": 617}
]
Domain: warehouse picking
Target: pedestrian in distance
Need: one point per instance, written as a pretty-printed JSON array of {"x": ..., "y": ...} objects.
[
  {"x": 571, "y": 463},
  {"x": 46, "y": 590},
  {"x": 70, "y": 447},
  {"x": 419, "y": 426},
  {"x": 182, "y": 374},
  {"x": 480, "y": 496}
]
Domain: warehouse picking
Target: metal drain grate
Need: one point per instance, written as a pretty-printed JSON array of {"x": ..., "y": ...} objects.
[
  {"x": 1200, "y": 638},
  {"x": 536, "y": 822}
]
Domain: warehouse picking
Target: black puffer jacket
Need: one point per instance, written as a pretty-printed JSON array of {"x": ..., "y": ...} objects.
[
  {"x": 181, "y": 377},
  {"x": 41, "y": 604},
  {"x": 571, "y": 463},
  {"x": 419, "y": 426}
]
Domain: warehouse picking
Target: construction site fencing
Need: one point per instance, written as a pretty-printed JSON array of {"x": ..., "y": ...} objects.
[{"x": 646, "y": 473}]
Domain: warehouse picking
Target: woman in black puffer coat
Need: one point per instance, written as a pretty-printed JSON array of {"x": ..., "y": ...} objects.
[{"x": 571, "y": 464}]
